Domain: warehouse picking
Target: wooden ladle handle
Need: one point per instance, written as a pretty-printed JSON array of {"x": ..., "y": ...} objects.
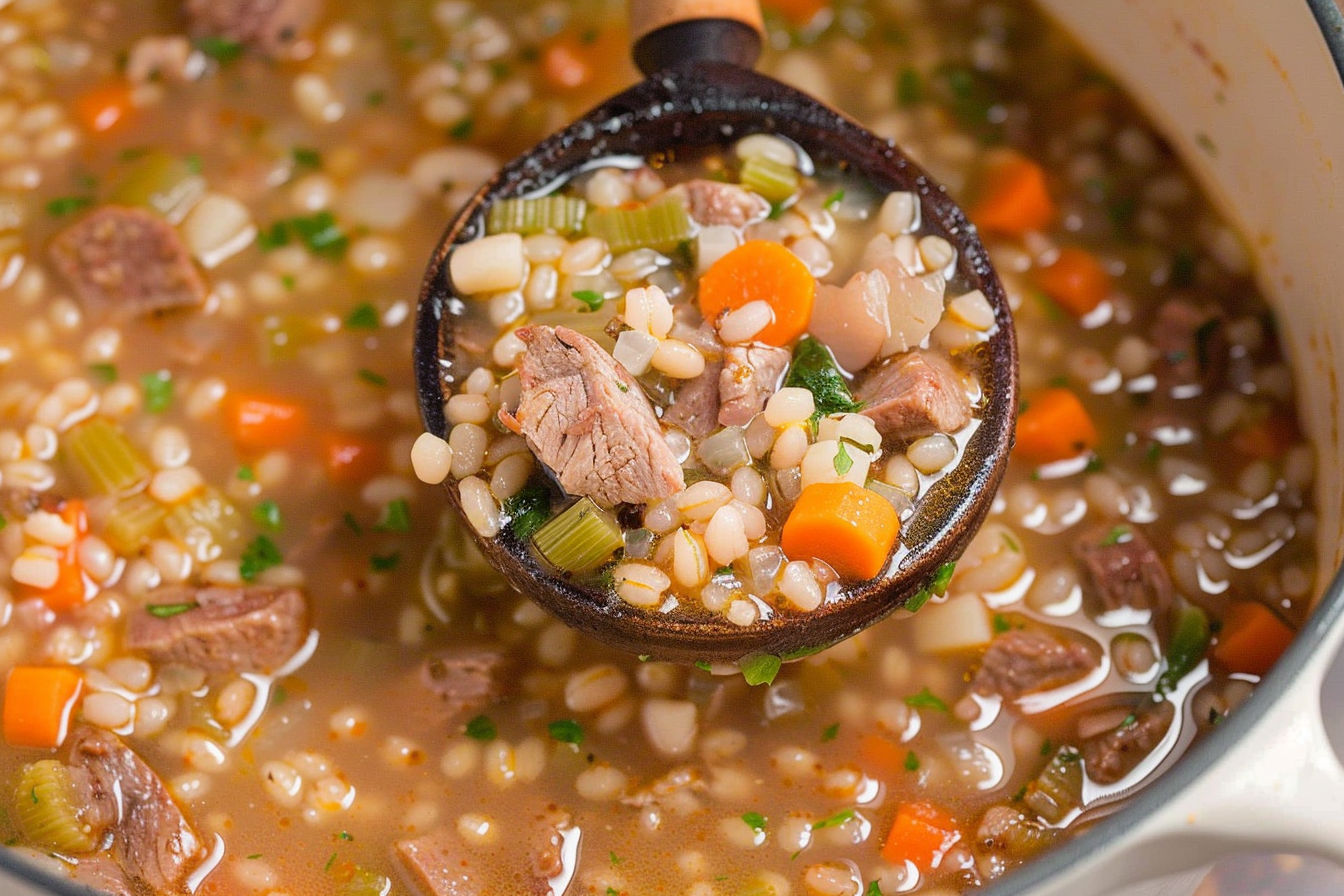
[{"x": 673, "y": 32}]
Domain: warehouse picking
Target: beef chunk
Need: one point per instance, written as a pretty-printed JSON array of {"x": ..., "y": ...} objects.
[
  {"x": 588, "y": 420},
  {"x": 463, "y": 680},
  {"x": 438, "y": 863},
  {"x": 127, "y": 260},
  {"x": 152, "y": 840},
  {"x": 915, "y": 394},
  {"x": 547, "y": 848},
  {"x": 711, "y": 202},
  {"x": 1113, "y": 754},
  {"x": 251, "y": 629},
  {"x": 1124, "y": 570},
  {"x": 1025, "y": 660},
  {"x": 695, "y": 404},
  {"x": 270, "y": 26},
  {"x": 750, "y": 375},
  {"x": 102, "y": 874},
  {"x": 1191, "y": 344}
]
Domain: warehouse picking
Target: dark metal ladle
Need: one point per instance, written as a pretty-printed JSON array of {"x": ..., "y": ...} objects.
[{"x": 701, "y": 93}]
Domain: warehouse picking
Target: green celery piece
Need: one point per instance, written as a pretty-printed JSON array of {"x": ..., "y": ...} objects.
[
  {"x": 106, "y": 457},
  {"x": 773, "y": 180},
  {"x": 210, "y": 512},
  {"x": 544, "y": 214},
  {"x": 1058, "y": 789},
  {"x": 580, "y": 539},
  {"x": 661, "y": 226},
  {"x": 134, "y": 520},
  {"x": 1189, "y": 642}
]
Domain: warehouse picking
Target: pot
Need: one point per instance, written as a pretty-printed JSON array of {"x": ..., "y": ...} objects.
[{"x": 1252, "y": 98}]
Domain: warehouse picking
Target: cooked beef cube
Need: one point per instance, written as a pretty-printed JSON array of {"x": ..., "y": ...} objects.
[
  {"x": 588, "y": 420},
  {"x": 256, "y": 628},
  {"x": 1110, "y": 756},
  {"x": 1026, "y": 660},
  {"x": 547, "y": 848},
  {"x": 1191, "y": 347},
  {"x": 19, "y": 502},
  {"x": 127, "y": 260},
  {"x": 102, "y": 874},
  {"x": 711, "y": 202},
  {"x": 151, "y": 838},
  {"x": 1124, "y": 569},
  {"x": 695, "y": 404},
  {"x": 750, "y": 375},
  {"x": 271, "y": 26},
  {"x": 464, "y": 679},
  {"x": 915, "y": 394},
  {"x": 439, "y": 863}
]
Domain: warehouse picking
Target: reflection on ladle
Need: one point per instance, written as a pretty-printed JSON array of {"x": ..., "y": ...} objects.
[{"x": 701, "y": 96}]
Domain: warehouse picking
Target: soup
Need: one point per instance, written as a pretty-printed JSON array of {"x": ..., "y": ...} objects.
[{"x": 246, "y": 650}]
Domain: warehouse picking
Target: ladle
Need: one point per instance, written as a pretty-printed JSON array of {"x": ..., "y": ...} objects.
[{"x": 700, "y": 93}]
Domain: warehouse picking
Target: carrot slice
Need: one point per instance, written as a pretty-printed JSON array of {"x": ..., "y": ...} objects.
[
  {"x": 799, "y": 12},
  {"x": 71, "y": 588},
  {"x": 844, "y": 525},
  {"x": 258, "y": 421},
  {"x": 350, "y": 459},
  {"x": 922, "y": 834},
  {"x": 1252, "y": 638},
  {"x": 1075, "y": 280},
  {"x": 103, "y": 107},
  {"x": 765, "y": 271},
  {"x": 1014, "y": 198},
  {"x": 881, "y": 754},
  {"x": 1054, "y": 426},
  {"x": 565, "y": 65},
  {"x": 38, "y": 703}
]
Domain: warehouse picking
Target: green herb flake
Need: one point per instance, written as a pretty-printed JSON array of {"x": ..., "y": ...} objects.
[
  {"x": 273, "y": 237},
  {"x": 32, "y": 794},
  {"x": 288, "y": 282},
  {"x": 1215, "y": 716},
  {"x": 245, "y": 474},
  {"x": 462, "y": 130},
  {"x": 321, "y": 234},
  {"x": 260, "y": 555},
  {"x": 760, "y": 668},
  {"x": 331, "y": 861},
  {"x": 396, "y": 517},
  {"x": 375, "y": 98},
  {"x": 943, "y": 577},
  {"x": 1020, "y": 795},
  {"x": 567, "y": 731},
  {"x": 615, "y": 859},
  {"x": 385, "y": 562},
  {"x": 363, "y": 317},
  {"x": 1152, "y": 454},
  {"x": 62, "y": 206},
  {"x": 1011, "y": 543},
  {"x": 371, "y": 377},
  {"x": 267, "y": 515},
  {"x": 1128, "y": 722},
  {"x": 1205, "y": 142},
  {"x": 873, "y": 889},
  {"x": 813, "y": 368},
  {"x": 157, "y": 387},
  {"x": 830, "y": 732},
  {"x": 755, "y": 821},
  {"x": 612, "y": 891},
  {"x": 724, "y": 571},
  {"x": 345, "y": 835},
  {"x": 481, "y": 728},
  {"x": 306, "y": 157},
  {"x": 1001, "y": 623},
  {"x": 195, "y": 164},
  {"x": 351, "y": 523},
  {"x": 3, "y": 522},
  {"x": 104, "y": 373},
  {"x": 842, "y": 461},
  {"x": 918, "y": 599},
  {"x": 702, "y": 665},
  {"x": 833, "y": 821},
  {"x": 220, "y": 49},
  {"x": 909, "y": 87},
  {"x": 911, "y": 761},
  {"x": 833, "y": 201},
  {"x": 279, "y": 695},
  {"x": 255, "y": 855},
  {"x": 528, "y": 510},
  {"x": 926, "y": 699},
  {"x": 589, "y": 297},
  {"x": 167, "y": 611},
  {"x": 1117, "y": 535},
  {"x": 1047, "y": 747}
]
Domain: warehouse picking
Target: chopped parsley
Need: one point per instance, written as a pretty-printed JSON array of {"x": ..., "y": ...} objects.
[
  {"x": 331, "y": 861},
  {"x": 755, "y": 821},
  {"x": 926, "y": 699},
  {"x": 909, "y": 87},
  {"x": 1117, "y": 535},
  {"x": 375, "y": 98},
  {"x": 260, "y": 555},
  {"x": 318, "y": 232},
  {"x": 590, "y": 297},
  {"x": 842, "y": 461},
  {"x": 363, "y": 317},
  {"x": 830, "y": 732},
  {"x": 220, "y": 49},
  {"x": 527, "y": 510},
  {"x": 911, "y": 761},
  {"x": 157, "y": 387},
  {"x": 104, "y": 373},
  {"x": 834, "y": 200},
  {"x": 396, "y": 517},
  {"x": 835, "y": 820},
  {"x": 462, "y": 130},
  {"x": 3, "y": 522},
  {"x": 1001, "y": 623},
  {"x": 943, "y": 577},
  {"x": 566, "y": 731},
  {"x": 344, "y": 835},
  {"x": 481, "y": 728},
  {"x": 615, "y": 859},
  {"x": 760, "y": 668},
  {"x": 814, "y": 369},
  {"x": 703, "y": 665},
  {"x": 167, "y": 611},
  {"x": 255, "y": 855},
  {"x": 306, "y": 157},
  {"x": 351, "y": 523},
  {"x": 385, "y": 562},
  {"x": 267, "y": 515},
  {"x": 874, "y": 889},
  {"x": 68, "y": 205},
  {"x": 246, "y": 474},
  {"x": 1047, "y": 747},
  {"x": 371, "y": 377},
  {"x": 918, "y": 599}
]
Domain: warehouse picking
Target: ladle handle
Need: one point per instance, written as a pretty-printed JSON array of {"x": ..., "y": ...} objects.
[{"x": 668, "y": 33}]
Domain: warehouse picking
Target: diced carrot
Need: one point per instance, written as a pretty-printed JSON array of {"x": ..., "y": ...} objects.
[
  {"x": 565, "y": 65},
  {"x": 881, "y": 754},
  {"x": 258, "y": 421},
  {"x": 844, "y": 525},
  {"x": 1054, "y": 426},
  {"x": 1013, "y": 198},
  {"x": 1075, "y": 280},
  {"x": 1252, "y": 638},
  {"x": 71, "y": 588},
  {"x": 350, "y": 459},
  {"x": 922, "y": 834},
  {"x": 761, "y": 270},
  {"x": 1267, "y": 439},
  {"x": 799, "y": 12},
  {"x": 38, "y": 703},
  {"x": 103, "y": 107}
]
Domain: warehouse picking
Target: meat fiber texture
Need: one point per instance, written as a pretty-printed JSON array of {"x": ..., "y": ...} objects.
[
  {"x": 587, "y": 419},
  {"x": 252, "y": 629}
]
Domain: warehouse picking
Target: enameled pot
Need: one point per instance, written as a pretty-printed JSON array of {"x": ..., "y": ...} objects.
[{"x": 1251, "y": 92}]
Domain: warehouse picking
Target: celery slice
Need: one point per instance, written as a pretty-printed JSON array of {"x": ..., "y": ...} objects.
[
  {"x": 134, "y": 520},
  {"x": 660, "y": 226},
  {"x": 365, "y": 882},
  {"x": 106, "y": 457},
  {"x": 46, "y": 809},
  {"x": 581, "y": 538},
  {"x": 773, "y": 180},
  {"x": 1058, "y": 789},
  {"x": 545, "y": 214},
  {"x": 207, "y": 518},
  {"x": 163, "y": 182}
]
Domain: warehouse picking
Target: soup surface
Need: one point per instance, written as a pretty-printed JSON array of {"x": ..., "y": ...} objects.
[{"x": 246, "y": 649}]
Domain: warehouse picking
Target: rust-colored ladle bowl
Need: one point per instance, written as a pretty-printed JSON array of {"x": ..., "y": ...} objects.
[{"x": 700, "y": 94}]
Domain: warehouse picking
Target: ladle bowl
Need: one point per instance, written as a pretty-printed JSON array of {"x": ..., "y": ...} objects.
[{"x": 698, "y": 105}]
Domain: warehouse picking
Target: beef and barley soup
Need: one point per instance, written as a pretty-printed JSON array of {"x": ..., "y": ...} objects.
[{"x": 248, "y": 651}]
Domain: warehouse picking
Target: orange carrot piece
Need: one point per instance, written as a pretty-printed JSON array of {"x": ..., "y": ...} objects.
[
  {"x": 799, "y": 12},
  {"x": 1268, "y": 439},
  {"x": 1251, "y": 639},
  {"x": 761, "y": 270},
  {"x": 1075, "y": 280},
  {"x": 1054, "y": 426},
  {"x": 71, "y": 588},
  {"x": 881, "y": 754},
  {"x": 39, "y": 701},
  {"x": 1014, "y": 198},
  {"x": 258, "y": 421},
  {"x": 922, "y": 834},
  {"x": 844, "y": 525},
  {"x": 103, "y": 107},
  {"x": 565, "y": 65},
  {"x": 350, "y": 459}
]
